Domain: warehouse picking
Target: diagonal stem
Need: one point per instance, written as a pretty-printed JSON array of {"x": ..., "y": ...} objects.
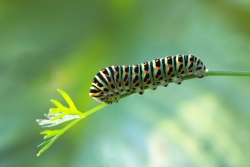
[{"x": 85, "y": 114}]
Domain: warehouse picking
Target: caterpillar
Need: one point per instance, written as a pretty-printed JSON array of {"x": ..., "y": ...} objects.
[{"x": 113, "y": 81}]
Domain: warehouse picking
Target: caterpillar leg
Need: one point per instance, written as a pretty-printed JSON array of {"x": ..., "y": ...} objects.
[
  {"x": 164, "y": 83},
  {"x": 177, "y": 80},
  {"x": 153, "y": 86},
  {"x": 117, "y": 98},
  {"x": 112, "y": 98}
]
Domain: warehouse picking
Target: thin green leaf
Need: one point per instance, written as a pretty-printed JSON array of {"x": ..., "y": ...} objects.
[
  {"x": 45, "y": 132},
  {"x": 53, "y": 111},
  {"x": 44, "y": 143},
  {"x": 56, "y": 103},
  {"x": 51, "y": 133},
  {"x": 67, "y": 99},
  {"x": 47, "y": 145},
  {"x": 58, "y": 117}
]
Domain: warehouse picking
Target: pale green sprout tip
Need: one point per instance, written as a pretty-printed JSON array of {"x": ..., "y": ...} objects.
[{"x": 59, "y": 115}]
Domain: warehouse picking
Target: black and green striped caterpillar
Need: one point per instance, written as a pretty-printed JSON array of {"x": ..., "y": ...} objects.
[{"x": 111, "y": 82}]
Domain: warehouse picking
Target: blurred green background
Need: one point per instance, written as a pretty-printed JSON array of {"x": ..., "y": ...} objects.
[{"x": 45, "y": 45}]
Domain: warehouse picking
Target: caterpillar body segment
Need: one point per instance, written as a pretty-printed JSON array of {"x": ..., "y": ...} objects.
[{"x": 111, "y": 82}]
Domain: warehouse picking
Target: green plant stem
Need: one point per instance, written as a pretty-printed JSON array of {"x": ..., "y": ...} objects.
[
  {"x": 85, "y": 114},
  {"x": 228, "y": 73},
  {"x": 93, "y": 110}
]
